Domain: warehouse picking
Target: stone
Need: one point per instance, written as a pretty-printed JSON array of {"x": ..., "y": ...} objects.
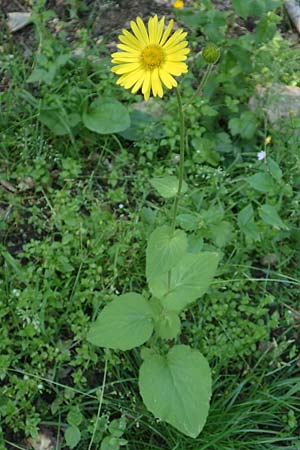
[
  {"x": 277, "y": 100},
  {"x": 18, "y": 20}
]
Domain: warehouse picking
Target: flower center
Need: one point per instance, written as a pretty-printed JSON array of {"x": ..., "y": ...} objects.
[{"x": 152, "y": 56}]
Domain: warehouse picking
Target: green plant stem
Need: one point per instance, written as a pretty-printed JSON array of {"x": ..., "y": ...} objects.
[
  {"x": 203, "y": 81},
  {"x": 100, "y": 406},
  {"x": 181, "y": 161}
]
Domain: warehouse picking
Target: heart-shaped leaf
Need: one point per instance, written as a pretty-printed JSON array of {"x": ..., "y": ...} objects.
[
  {"x": 106, "y": 116},
  {"x": 164, "y": 249},
  {"x": 188, "y": 280},
  {"x": 177, "y": 388},
  {"x": 123, "y": 324}
]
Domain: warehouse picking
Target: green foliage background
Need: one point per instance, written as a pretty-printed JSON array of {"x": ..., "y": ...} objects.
[{"x": 77, "y": 208}]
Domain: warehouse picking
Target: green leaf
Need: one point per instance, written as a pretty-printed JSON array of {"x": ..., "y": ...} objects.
[
  {"x": 123, "y": 324},
  {"x": 254, "y": 7},
  {"x": 117, "y": 427},
  {"x": 246, "y": 223},
  {"x": 270, "y": 216},
  {"x": 168, "y": 325},
  {"x": 72, "y": 436},
  {"x": 221, "y": 233},
  {"x": 176, "y": 388},
  {"x": 167, "y": 186},
  {"x": 110, "y": 443},
  {"x": 188, "y": 222},
  {"x": 74, "y": 417},
  {"x": 274, "y": 168},
  {"x": 163, "y": 250},
  {"x": 208, "y": 111},
  {"x": 267, "y": 27},
  {"x": 37, "y": 75},
  {"x": 59, "y": 123},
  {"x": 205, "y": 149},
  {"x": 262, "y": 182},
  {"x": 106, "y": 116},
  {"x": 189, "y": 280},
  {"x": 242, "y": 7},
  {"x": 143, "y": 126},
  {"x": 245, "y": 125}
]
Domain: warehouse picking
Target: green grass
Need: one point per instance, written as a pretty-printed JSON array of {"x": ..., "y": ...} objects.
[{"x": 76, "y": 211}]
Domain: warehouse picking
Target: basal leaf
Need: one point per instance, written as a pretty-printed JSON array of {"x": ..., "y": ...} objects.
[
  {"x": 188, "y": 280},
  {"x": 164, "y": 249},
  {"x": 59, "y": 123},
  {"x": 123, "y": 324},
  {"x": 106, "y": 116},
  {"x": 176, "y": 388}
]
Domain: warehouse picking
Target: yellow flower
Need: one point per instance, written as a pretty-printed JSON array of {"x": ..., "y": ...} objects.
[
  {"x": 268, "y": 140},
  {"x": 150, "y": 57},
  {"x": 178, "y": 4}
]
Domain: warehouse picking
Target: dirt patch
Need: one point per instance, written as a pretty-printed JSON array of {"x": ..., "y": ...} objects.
[
  {"x": 118, "y": 16},
  {"x": 102, "y": 17}
]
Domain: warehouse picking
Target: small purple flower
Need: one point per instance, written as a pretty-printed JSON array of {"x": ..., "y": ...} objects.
[{"x": 261, "y": 155}]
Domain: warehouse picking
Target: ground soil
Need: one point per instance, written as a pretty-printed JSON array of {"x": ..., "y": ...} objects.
[{"x": 105, "y": 17}]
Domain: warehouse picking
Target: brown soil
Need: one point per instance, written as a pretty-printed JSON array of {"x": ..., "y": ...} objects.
[{"x": 104, "y": 17}]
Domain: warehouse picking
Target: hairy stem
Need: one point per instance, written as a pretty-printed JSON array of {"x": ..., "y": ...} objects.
[{"x": 181, "y": 161}]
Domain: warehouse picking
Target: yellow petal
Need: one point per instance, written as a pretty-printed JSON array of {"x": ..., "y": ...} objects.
[
  {"x": 128, "y": 49},
  {"x": 138, "y": 84},
  {"x": 138, "y": 33},
  {"x": 167, "y": 32},
  {"x": 178, "y": 47},
  {"x": 167, "y": 79},
  {"x": 177, "y": 37},
  {"x": 160, "y": 29},
  {"x": 147, "y": 95},
  {"x": 125, "y": 68},
  {"x": 175, "y": 68},
  {"x": 130, "y": 79},
  {"x": 152, "y": 28},
  {"x": 143, "y": 29},
  {"x": 132, "y": 40},
  {"x": 147, "y": 80},
  {"x": 125, "y": 58},
  {"x": 156, "y": 84},
  {"x": 175, "y": 57}
]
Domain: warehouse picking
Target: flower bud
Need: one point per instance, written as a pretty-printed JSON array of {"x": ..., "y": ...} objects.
[{"x": 211, "y": 54}]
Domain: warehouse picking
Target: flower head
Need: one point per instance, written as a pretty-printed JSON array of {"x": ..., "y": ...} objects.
[
  {"x": 150, "y": 57},
  {"x": 178, "y": 4},
  {"x": 268, "y": 140},
  {"x": 261, "y": 155}
]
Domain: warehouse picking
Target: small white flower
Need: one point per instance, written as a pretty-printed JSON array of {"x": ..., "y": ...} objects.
[{"x": 261, "y": 155}]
